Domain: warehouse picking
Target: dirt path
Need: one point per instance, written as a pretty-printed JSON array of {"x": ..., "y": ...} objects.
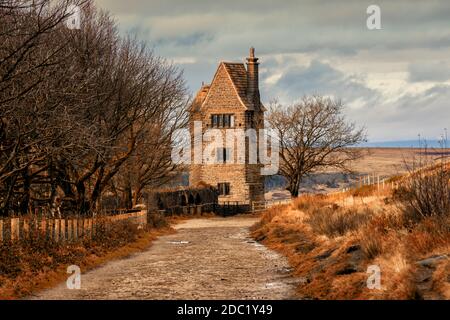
[{"x": 206, "y": 259}]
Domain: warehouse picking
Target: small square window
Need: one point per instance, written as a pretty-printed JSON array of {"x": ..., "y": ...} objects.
[
  {"x": 226, "y": 120},
  {"x": 224, "y": 188},
  {"x": 214, "y": 120}
]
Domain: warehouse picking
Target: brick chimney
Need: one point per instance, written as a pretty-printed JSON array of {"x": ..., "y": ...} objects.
[{"x": 252, "y": 78}]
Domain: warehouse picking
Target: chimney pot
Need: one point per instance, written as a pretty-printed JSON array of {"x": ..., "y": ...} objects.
[{"x": 252, "y": 78}]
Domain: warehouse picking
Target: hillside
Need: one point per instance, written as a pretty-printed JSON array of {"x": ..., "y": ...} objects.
[
  {"x": 338, "y": 242},
  {"x": 382, "y": 162}
]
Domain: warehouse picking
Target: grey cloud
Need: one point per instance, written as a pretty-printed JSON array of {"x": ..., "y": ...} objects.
[
  {"x": 187, "y": 40},
  {"x": 429, "y": 71},
  {"x": 427, "y": 113},
  {"x": 413, "y": 33},
  {"x": 291, "y": 26},
  {"x": 321, "y": 78}
]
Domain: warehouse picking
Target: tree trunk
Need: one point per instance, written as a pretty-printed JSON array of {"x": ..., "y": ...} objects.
[
  {"x": 128, "y": 196},
  {"x": 294, "y": 186},
  {"x": 97, "y": 189}
]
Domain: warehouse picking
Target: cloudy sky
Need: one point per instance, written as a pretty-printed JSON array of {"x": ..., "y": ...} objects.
[{"x": 395, "y": 81}]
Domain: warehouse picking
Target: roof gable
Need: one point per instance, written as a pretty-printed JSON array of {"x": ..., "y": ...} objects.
[
  {"x": 222, "y": 78},
  {"x": 237, "y": 76}
]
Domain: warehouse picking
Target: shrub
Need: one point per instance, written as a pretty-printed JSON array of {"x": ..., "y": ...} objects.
[
  {"x": 337, "y": 222},
  {"x": 426, "y": 193},
  {"x": 157, "y": 220},
  {"x": 371, "y": 243},
  {"x": 430, "y": 234},
  {"x": 310, "y": 202}
]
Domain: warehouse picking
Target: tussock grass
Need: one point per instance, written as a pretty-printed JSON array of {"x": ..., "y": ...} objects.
[
  {"x": 331, "y": 242},
  {"x": 334, "y": 222}
]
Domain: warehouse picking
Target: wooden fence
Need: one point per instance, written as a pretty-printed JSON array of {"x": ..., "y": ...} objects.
[
  {"x": 378, "y": 181},
  {"x": 60, "y": 230},
  {"x": 258, "y": 206}
]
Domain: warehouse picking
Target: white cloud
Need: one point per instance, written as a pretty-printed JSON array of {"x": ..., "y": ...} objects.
[{"x": 395, "y": 80}]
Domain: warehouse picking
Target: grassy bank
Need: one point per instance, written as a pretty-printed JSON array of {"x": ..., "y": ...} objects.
[
  {"x": 332, "y": 240},
  {"x": 37, "y": 263}
]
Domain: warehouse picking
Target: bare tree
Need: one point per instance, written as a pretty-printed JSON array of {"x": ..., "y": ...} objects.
[
  {"x": 29, "y": 58},
  {"x": 78, "y": 106},
  {"x": 313, "y": 134}
]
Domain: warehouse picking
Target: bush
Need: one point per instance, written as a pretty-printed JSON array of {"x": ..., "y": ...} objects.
[
  {"x": 310, "y": 202},
  {"x": 431, "y": 233},
  {"x": 156, "y": 220},
  {"x": 371, "y": 243},
  {"x": 337, "y": 222},
  {"x": 426, "y": 193}
]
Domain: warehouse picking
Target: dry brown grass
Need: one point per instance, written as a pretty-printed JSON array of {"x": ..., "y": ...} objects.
[
  {"x": 330, "y": 245},
  {"x": 37, "y": 263},
  {"x": 428, "y": 235},
  {"x": 334, "y": 221}
]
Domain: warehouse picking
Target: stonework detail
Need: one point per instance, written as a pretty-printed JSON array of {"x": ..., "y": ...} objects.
[{"x": 234, "y": 90}]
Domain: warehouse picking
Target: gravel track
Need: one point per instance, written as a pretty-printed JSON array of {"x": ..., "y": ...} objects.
[{"x": 205, "y": 259}]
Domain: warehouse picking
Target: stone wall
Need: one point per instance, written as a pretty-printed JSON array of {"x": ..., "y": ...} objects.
[{"x": 246, "y": 182}]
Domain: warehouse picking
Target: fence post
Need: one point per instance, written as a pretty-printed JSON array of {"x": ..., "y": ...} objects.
[
  {"x": 69, "y": 230},
  {"x": 43, "y": 227},
  {"x": 75, "y": 228},
  {"x": 51, "y": 226},
  {"x": 80, "y": 227},
  {"x": 94, "y": 225},
  {"x": 57, "y": 224},
  {"x": 15, "y": 229},
  {"x": 86, "y": 227},
  {"x": 63, "y": 230},
  {"x": 91, "y": 229},
  {"x": 26, "y": 228}
]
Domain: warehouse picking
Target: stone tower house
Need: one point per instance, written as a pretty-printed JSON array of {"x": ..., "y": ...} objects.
[{"x": 231, "y": 101}]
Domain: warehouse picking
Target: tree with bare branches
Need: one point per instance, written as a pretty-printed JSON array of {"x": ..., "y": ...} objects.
[
  {"x": 313, "y": 134},
  {"x": 79, "y": 107}
]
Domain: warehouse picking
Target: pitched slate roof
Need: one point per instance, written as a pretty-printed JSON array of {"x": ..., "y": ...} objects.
[{"x": 238, "y": 76}]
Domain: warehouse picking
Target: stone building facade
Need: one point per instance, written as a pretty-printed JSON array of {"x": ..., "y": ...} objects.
[{"x": 230, "y": 102}]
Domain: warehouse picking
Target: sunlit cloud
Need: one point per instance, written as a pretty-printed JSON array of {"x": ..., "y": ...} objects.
[{"x": 394, "y": 81}]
